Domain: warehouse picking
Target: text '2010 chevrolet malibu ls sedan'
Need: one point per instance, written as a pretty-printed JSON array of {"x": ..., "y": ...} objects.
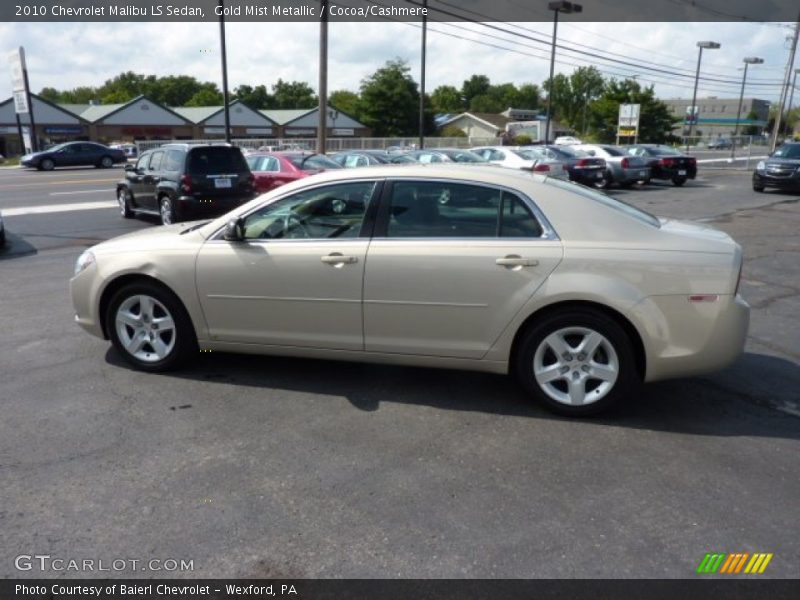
[{"x": 578, "y": 295}]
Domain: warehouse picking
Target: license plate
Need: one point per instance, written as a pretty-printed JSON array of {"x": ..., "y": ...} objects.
[
  {"x": 642, "y": 173},
  {"x": 682, "y": 172},
  {"x": 222, "y": 182}
]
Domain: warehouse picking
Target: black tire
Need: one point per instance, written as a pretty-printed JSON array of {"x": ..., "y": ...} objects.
[
  {"x": 575, "y": 324},
  {"x": 124, "y": 201},
  {"x": 605, "y": 182},
  {"x": 166, "y": 208},
  {"x": 2, "y": 238},
  {"x": 47, "y": 164},
  {"x": 106, "y": 162},
  {"x": 757, "y": 187},
  {"x": 626, "y": 185},
  {"x": 678, "y": 181},
  {"x": 185, "y": 339}
]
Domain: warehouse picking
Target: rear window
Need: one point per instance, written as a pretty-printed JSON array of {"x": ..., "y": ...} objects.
[
  {"x": 613, "y": 151},
  {"x": 312, "y": 162},
  {"x": 216, "y": 160},
  {"x": 618, "y": 205},
  {"x": 463, "y": 156}
]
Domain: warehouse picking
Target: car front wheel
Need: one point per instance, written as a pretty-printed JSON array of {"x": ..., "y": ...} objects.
[
  {"x": 577, "y": 362},
  {"x": 150, "y": 328},
  {"x": 106, "y": 162},
  {"x": 47, "y": 164}
]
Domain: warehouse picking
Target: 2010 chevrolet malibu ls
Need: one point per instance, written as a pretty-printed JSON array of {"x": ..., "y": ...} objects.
[{"x": 578, "y": 295}]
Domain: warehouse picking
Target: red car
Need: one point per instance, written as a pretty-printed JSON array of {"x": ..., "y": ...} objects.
[{"x": 273, "y": 169}]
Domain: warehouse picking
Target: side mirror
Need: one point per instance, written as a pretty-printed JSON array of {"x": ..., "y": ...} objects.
[
  {"x": 234, "y": 230},
  {"x": 130, "y": 168}
]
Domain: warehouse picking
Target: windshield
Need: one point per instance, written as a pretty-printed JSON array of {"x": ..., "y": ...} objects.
[
  {"x": 311, "y": 162},
  {"x": 56, "y": 148},
  {"x": 618, "y": 205},
  {"x": 788, "y": 151}
]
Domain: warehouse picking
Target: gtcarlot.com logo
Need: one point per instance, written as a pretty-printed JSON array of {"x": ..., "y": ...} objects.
[
  {"x": 46, "y": 562},
  {"x": 735, "y": 563}
]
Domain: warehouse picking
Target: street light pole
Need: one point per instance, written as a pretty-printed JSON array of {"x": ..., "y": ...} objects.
[
  {"x": 423, "y": 57},
  {"x": 556, "y": 7},
  {"x": 791, "y": 94},
  {"x": 224, "y": 72},
  {"x": 750, "y": 60},
  {"x": 322, "y": 125},
  {"x": 692, "y": 117}
]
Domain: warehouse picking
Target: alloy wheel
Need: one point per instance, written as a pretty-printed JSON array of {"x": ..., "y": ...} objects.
[{"x": 145, "y": 328}]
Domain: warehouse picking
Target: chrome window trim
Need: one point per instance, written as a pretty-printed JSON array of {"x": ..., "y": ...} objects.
[{"x": 549, "y": 233}]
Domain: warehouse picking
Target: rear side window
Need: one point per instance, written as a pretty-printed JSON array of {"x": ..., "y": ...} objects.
[
  {"x": 155, "y": 161},
  {"x": 173, "y": 161},
  {"x": 216, "y": 160},
  {"x": 455, "y": 210},
  {"x": 313, "y": 161}
]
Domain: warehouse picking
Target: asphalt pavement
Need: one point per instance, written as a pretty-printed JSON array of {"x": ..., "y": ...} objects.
[{"x": 270, "y": 467}]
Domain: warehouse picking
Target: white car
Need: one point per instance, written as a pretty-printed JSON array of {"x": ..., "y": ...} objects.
[
  {"x": 580, "y": 296},
  {"x": 566, "y": 140},
  {"x": 528, "y": 158}
]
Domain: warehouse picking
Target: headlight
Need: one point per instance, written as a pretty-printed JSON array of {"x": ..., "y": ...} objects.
[
  {"x": 760, "y": 166},
  {"x": 84, "y": 261}
]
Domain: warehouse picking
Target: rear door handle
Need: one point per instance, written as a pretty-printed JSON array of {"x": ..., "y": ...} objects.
[
  {"x": 516, "y": 261},
  {"x": 339, "y": 259}
]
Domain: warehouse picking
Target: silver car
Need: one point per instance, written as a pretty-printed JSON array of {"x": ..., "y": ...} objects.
[
  {"x": 529, "y": 158},
  {"x": 578, "y": 295},
  {"x": 621, "y": 168}
]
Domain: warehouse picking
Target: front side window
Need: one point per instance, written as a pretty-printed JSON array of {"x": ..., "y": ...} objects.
[
  {"x": 420, "y": 209},
  {"x": 333, "y": 211},
  {"x": 155, "y": 162},
  {"x": 141, "y": 164}
]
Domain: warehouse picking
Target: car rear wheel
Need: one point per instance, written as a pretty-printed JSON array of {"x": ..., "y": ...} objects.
[
  {"x": 167, "y": 211},
  {"x": 124, "y": 200},
  {"x": 47, "y": 164},
  {"x": 604, "y": 182},
  {"x": 106, "y": 162},
  {"x": 577, "y": 362},
  {"x": 150, "y": 328},
  {"x": 678, "y": 181}
]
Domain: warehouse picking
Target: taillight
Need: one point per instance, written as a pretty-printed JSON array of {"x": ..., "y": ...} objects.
[
  {"x": 667, "y": 162},
  {"x": 582, "y": 163},
  {"x": 693, "y": 162},
  {"x": 541, "y": 168},
  {"x": 738, "y": 278},
  {"x": 186, "y": 184},
  {"x": 625, "y": 163}
]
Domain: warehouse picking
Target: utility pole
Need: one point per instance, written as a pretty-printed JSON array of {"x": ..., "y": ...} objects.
[
  {"x": 785, "y": 88},
  {"x": 322, "y": 126},
  {"x": 423, "y": 56},
  {"x": 226, "y": 108}
]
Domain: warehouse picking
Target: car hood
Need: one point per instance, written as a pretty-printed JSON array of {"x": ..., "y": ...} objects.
[
  {"x": 161, "y": 237},
  {"x": 786, "y": 162}
]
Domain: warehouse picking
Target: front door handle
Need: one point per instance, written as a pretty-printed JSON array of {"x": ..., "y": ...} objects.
[
  {"x": 337, "y": 259},
  {"x": 512, "y": 260}
]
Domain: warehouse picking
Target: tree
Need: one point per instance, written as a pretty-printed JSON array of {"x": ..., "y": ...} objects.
[
  {"x": 655, "y": 120},
  {"x": 529, "y": 96},
  {"x": 205, "y": 97},
  {"x": 447, "y": 99},
  {"x": 255, "y": 97},
  {"x": 476, "y": 85},
  {"x": 452, "y": 131},
  {"x": 390, "y": 101},
  {"x": 751, "y": 129},
  {"x": 571, "y": 95},
  {"x": 294, "y": 94},
  {"x": 345, "y": 101}
]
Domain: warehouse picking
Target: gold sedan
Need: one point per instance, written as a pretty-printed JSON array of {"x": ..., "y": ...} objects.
[{"x": 580, "y": 296}]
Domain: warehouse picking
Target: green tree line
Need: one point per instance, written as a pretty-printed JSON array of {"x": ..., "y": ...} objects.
[{"x": 387, "y": 101}]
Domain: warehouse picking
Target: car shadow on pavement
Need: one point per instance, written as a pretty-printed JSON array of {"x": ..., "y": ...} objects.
[
  {"x": 16, "y": 247},
  {"x": 710, "y": 406}
]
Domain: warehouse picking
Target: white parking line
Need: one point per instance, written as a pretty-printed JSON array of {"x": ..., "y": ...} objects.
[
  {"x": 55, "y": 208},
  {"x": 79, "y": 192}
]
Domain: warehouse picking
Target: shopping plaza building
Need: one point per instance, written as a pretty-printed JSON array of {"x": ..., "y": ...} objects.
[{"x": 143, "y": 119}]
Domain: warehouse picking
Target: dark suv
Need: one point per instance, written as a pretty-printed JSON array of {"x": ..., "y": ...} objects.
[
  {"x": 179, "y": 182},
  {"x": 781, "y": 169}
]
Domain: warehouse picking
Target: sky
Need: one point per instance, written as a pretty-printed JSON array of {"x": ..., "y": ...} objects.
[{"x": 67, "y": 55}]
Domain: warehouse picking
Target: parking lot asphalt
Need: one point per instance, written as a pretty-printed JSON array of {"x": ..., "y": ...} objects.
[{"x": 270, "y": 467}]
